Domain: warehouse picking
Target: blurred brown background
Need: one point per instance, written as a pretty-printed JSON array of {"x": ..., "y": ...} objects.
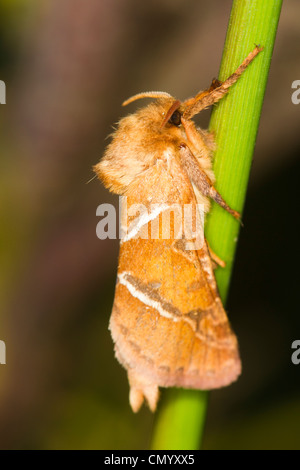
[{"x": 68, "y": 65}]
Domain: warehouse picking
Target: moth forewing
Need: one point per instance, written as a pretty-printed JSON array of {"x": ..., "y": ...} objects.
[{"x": 168, "y": 323}]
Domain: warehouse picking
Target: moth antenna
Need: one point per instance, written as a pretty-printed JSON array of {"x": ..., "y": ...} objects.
[{"x": 147, "y": 94}]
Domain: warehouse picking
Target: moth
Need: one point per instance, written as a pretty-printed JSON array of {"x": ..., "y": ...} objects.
[{"x": 168, "y": 323}]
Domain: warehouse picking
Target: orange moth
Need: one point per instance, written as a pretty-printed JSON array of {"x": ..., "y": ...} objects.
[{"x": 168, "y": 322}]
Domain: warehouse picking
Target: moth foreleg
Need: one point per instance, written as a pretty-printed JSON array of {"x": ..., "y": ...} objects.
[{"x": 217, "y": 89}]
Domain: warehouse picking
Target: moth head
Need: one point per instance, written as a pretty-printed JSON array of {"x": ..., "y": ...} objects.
[
  {"x": 141, "y": 138},
  {"x": 171, "y": 114},
  {"x": 176, "y": 112}
]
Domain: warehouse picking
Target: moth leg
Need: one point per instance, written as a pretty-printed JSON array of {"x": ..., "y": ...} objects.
[
  {"x": 217, "y": 89},
  {"x": 200, "y": 139},
  {"x": 214, "y": 84},
  {"x": 215, "y": 196},
  {"x": 201, "y": 180},
  {"x": 215, "y": 258}
]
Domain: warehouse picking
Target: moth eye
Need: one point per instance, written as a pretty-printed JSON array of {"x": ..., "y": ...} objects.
[{"x": 175, "y": 118}]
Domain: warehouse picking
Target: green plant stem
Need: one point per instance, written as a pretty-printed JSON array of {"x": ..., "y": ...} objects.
[{"x": 234, "y": 120}]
